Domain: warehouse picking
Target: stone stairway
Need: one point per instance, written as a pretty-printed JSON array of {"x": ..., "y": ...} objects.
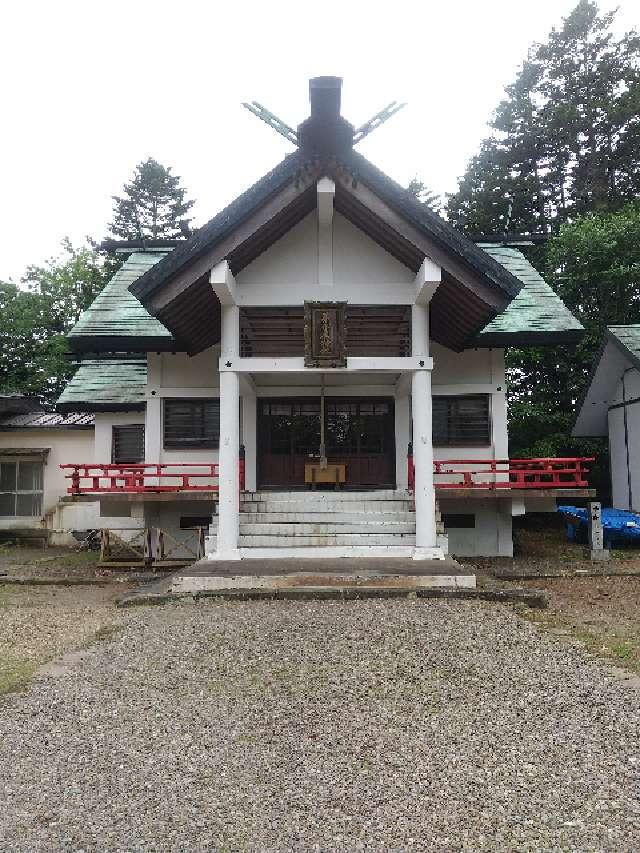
[{"x": 360, "y": 521}]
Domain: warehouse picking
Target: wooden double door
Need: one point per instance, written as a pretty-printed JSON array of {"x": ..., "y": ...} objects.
[{"x": 359, "y": 433}]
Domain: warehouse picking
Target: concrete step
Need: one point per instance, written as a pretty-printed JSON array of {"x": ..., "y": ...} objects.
[
  {"x": 327, "y": 506},
  {"x": 332, "y": 495},
  {"x": 442, "y": 574},
  {"x": 341, "y": 551},
  {"x": 326, "y": 540},
  {"x": 313, "y": 517},
  {"x": 366, "y": 528}
]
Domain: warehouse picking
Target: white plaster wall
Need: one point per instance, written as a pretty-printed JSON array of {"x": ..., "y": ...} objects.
[
  {"x": 358, "y": 259},
  {"x": 633, "y": 426},
  {"x": 64, "y": 446},
  {"x": 180, "y": 371},
  {"x": 105, "y": 421},
  {"x": 625, "y": 474},
  {"x": 292, "y": 262},
  {"x": 478, "y": 371},
  {"x": 471, "y": 366},
  {"x": 171, "y": 375},
  {"x": 492, "y": 535},
  {"x": 618, "y": 460},
  {"x": 89, "y": 515}
]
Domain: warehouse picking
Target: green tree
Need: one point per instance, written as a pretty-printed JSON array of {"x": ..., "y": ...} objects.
[
  {"x": 31, "y": 358},
  {"x": 35, "y": 317},
  {"x": 424, "y": 195},
  {"x": 593, "y": 263},
  {"x": 564, "y": 160},
  {"x": 566, "y": 136},
  {"x": 153, "y": 205}
]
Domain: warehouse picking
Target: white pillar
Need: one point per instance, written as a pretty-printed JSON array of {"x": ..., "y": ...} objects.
[
  {"x": 249, "y": 417},
  {"x": 403, "y": 437},
  {"x": 425, "y": 499},
  {"x": 228, "y": 471},
  {"x": 499, "y": 430},
  {"x": 153, "y": 430},
  {"x": 153, "y": 415}
]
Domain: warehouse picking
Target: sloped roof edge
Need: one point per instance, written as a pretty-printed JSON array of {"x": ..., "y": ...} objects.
[
  {"x": 216, "y": 228},
  {"x": 419, "y": 215}
]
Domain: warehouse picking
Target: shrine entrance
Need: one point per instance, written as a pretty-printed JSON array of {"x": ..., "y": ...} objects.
[{"x": 360, "y": 434}]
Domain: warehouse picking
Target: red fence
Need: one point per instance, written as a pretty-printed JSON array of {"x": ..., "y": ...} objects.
[
  {"x": 136, "y": 479},
  {"x": 544, "y": 473}
]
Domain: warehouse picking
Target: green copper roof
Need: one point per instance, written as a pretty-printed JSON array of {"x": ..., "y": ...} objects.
[
  {"x": 106, "y": 384},
  {"x": 115, "y": 320},
  {"x": 536, "y": 315},
  {"x": 627, "y": 338}
]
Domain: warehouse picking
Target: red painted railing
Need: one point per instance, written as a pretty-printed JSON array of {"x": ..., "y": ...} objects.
[
  {"x": 544, "y": 473},
  {"x": 139, "y": 479},
  {"x": 150, "y": 477}
]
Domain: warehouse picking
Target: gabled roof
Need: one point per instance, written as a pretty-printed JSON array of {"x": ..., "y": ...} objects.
[
  {"x": 106, "y": 385},
  {"x": 469, "y": 308},
  {"x": 116, "y": 321},
  {"x": 47, "y": 420},
  {"x": 536, "y": 316},
  {"x": 215, "y": 229},
  {"x": 627, "y": 339},
  {"x": 475, "y": 288},
  {"x": 620, "y": 351},
  {"x": 433, "y": 225},
  {"x": 284, "y": 173}
]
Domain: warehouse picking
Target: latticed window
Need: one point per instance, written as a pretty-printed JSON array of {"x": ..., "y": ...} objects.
[
  {"x": 128, "y": 444},
  {"x": 463, "y": 421},
  {"x": 192, "y": 423},
  {"x": 21, "y": 485}
]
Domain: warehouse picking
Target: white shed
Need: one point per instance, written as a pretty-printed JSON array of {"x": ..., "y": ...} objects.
[{"x": 611, "y": 407}]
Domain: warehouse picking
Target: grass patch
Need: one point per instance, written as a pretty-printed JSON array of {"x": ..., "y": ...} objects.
[
  {"x": 602, "y": 641},
  {"x": 15, "y": 674}
]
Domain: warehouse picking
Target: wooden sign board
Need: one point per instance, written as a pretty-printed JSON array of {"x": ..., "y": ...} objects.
[{"x": 324, "y": 334}]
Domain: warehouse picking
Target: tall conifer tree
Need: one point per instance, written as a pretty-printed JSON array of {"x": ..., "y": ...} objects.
[
  {"x": 153, "y": 206},
  {"x": 566, "y": 136}
]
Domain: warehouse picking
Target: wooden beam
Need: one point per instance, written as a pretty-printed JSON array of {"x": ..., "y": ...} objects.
[
  {"x": 427, "y": 281},
  {"x": 295, "y": 364},
  {"x": 326, "y": 190},
  {"x": 224, "y": 284}
]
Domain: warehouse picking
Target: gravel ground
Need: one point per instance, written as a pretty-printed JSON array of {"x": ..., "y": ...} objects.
[
  {"x": 276, "y": 726},
  {"x": 38, "y": 623}
]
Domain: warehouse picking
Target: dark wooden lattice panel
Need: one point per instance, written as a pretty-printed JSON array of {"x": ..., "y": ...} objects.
[{"x": 381, "y": 330}]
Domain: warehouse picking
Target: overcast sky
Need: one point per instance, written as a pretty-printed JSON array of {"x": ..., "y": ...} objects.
[{"x": 91, "y": 88}]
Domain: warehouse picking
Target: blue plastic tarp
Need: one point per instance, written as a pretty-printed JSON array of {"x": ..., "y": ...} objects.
[{"x": 618, "y": 526}]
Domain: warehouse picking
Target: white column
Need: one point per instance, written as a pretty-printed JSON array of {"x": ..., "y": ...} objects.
[
  {"x": 228, "y": 472},
  {"x": 403, "y": 437},
  {"x": 153, "y": 430},
  {"x": 425, "y": 499},
  {"x": 499, "y": 430},
  {"x": 249, "y": 417},
  {"x": 153, "y": 415}
]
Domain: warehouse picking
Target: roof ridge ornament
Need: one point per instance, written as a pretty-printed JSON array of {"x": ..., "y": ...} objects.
[{"x": 325, "y": 130}]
